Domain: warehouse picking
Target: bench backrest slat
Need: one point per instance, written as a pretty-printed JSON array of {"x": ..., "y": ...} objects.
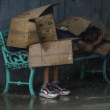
[{"x": 3, "y": 37}]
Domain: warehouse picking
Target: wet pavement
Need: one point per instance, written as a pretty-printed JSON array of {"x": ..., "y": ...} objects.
[{"x": 83, "y": 97}]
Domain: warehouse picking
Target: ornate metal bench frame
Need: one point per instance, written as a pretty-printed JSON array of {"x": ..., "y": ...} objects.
[
  {"x": 83, "y": 70},
  {"x": 15, "y": 60}
]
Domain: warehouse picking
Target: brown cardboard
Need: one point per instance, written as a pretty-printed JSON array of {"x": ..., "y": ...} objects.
[
  {"x": 46, "y": 28},
  {"x": 21, "y": 28},
  {"x": 97, "y": 24},
  {"x": 59, "y": 53},
  {"x": 108, "y": 35},
  {"x": 20, "y": 36},
  {"x": 75, "y": 25},
  {"x": 102, "y": 48}
]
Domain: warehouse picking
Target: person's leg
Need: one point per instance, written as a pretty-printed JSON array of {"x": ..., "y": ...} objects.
[
  {"x": 55, "y": 73},
  {"x": 47, "y": 90},
  {"x": 56, "y": 84},
  {"x": 46, "y": 74}
]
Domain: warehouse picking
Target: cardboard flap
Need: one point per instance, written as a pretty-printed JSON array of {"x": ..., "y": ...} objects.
[
  {"x": 46, "y": 29},
  {"x": 75, "y": 25},
  {"x": 34, "y": 13},
  {"x": 102, "y": 48},
  {"x": 97, "y": 24}
]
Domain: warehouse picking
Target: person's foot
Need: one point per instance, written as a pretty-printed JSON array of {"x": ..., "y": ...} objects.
[
  {"x": 47, "y": 91},
  {"x": 58, "y": 88}
]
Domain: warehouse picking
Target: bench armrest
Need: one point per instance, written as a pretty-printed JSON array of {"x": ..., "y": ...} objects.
[{"x": 15, "y": 58}]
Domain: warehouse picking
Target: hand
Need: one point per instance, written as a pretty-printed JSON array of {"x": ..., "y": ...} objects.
[
  {"x": 102, "y": 36},
  {"x": 88, "y": 48}
]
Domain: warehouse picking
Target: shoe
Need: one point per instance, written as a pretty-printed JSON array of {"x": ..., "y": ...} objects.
[
  {"x": 47, "y": 91},
  {"x": 58, "y": 88}
]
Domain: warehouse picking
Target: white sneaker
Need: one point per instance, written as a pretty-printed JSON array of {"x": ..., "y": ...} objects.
[
  {"x": 47, "y": 91},
  {"x": 61, "y": 91}
]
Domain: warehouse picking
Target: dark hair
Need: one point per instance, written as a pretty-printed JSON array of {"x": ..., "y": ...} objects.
[{"x": 90, "y": 32}]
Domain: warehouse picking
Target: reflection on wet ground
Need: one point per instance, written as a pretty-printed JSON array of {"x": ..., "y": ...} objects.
[{"x": 84, "y": 97}]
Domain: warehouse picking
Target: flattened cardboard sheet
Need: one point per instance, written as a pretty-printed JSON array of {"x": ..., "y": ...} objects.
[
  {"x": 46, "y": 28},
  {"x": 75, "y": 25},
  {"x": 97, "y": 24},
  {"x": 59, "y": 53},
  {"x": 102, "y": 48}
]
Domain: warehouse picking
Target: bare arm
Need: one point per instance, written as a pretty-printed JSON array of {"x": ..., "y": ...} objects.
[{"x": 100, "y": 39}]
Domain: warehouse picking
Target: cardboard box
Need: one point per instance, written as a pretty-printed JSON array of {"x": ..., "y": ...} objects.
[
  {"x": 59, "y": 53},
  {"x": 20, "y": 36},
  {"x": 75, "y": 25},
  {"x": 23, "y": 31}
]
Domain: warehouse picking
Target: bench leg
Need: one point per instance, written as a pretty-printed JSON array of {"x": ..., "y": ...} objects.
[
  {"x": 106, "y": 89},
  {"x": 7, "y": 81},
  {"x": 32, "y": 71},
  {"x": 31, "y": 104},
  {"x": 82, "y": 70},
  {"x": 104, "y": 72}
]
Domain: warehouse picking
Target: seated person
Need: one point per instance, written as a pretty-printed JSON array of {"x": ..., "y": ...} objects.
[{"x": 91, "y": 38}]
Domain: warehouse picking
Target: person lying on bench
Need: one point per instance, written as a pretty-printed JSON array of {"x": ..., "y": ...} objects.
[{"x": 91, "y": 38}]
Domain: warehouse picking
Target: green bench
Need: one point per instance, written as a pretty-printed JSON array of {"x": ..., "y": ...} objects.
[
  {"x": 17, "y": 60},
  {"x": 83, "y": 70}
]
